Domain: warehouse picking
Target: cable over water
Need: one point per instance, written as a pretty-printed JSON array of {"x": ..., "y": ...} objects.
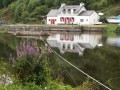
[{"x": 77, "y": 67}]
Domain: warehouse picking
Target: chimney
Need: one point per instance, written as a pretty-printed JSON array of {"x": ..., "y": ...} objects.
[
  {"x": 82, "y": 4},
  {"x": 63, "y": 4}
]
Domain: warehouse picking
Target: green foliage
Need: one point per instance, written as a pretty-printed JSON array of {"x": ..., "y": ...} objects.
[
  {"x": 98, "y": 4},
  {"x": 32, "y": 5},
  {"x": 28, "y": 10},
  {"x": 5, "y": 3},
  {"x": 54, "y": 85},
  {"x": 41, "y": 10},
  {"x": 17, "y": 12},
  {"x": 111, "y": 27},
  {"x": 28, "y": 70},
  {"x": 19, "y": 86},
  {"x": 113, "y": 10},
  {"x": 5, "y": 73},
  {"x": 88, "y": 85},
  {"x": 114, "y": 84},
  {"x": 3, "y": 31},
  {"x": 104, "y": 59}
]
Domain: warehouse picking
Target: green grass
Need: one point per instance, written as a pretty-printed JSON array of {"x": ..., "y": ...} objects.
[
  {"x": 111, "y": 27},
  {"x": 3, "y": 31}
]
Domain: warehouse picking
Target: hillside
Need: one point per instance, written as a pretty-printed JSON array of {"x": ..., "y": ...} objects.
[
  {"x": 25, "y": 11},
  {"x": 112, "y": 10}
]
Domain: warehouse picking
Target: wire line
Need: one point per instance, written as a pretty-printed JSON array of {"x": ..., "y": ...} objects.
[
  {"x": 68, "y": 72},
  {"x": 77, "y": 67}
]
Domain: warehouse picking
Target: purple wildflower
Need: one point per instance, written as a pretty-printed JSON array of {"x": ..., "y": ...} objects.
[
  {"x": 49, "y": 50},
  {"x": 28, "y": 48}
]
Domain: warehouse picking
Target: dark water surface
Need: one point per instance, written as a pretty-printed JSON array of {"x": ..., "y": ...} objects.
[{"x": 97, "y": 54}]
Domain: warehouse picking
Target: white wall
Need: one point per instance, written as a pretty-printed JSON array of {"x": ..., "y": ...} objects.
[
  {"x": 94, "y": 17},
  {"x": 85, "y": 18}
]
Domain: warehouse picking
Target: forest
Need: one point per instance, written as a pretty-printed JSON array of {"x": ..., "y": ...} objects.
[{"x": 35, "y": 10}]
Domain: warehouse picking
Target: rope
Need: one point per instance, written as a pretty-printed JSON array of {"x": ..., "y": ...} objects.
[
  {"x": 77, "y": 67},
  {"x": 68, "y": 72}
]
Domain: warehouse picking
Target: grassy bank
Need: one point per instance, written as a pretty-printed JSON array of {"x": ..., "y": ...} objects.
[
  {"x": 112, "y": 27},
  {"x": 3, "y": 31}
]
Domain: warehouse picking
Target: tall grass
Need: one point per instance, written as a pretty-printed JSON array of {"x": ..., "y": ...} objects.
[
  {"x": 3, "y": 31},
  {"x": 111, "y": 27}
]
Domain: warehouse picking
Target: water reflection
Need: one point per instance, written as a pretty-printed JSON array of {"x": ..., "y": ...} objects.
[
  {"x": 74, "y": 42},
  {"x": 115, "y": 41}
]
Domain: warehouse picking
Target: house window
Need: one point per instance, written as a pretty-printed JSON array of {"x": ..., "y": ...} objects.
[
  {"x": 86, "y": 19},
  {"x": 49, "y": 19},
  {"x": 74, "y": 10},
  {"x": 69, "y": 11},
  {"x": 81, "y": 20},
  {"x": 64, "y": 11}
]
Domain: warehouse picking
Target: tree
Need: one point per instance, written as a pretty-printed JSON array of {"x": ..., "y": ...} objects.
[{"x": 41, "y": 10}]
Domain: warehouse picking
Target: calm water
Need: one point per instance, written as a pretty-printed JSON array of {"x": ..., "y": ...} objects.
[
  {"x": 97, "y": 54},
  {"x": 75, "y": 46}
]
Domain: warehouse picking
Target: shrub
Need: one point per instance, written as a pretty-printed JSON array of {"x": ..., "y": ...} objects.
[
  {"x": 88, "y": 85},
  {"x": 19, "y": 86},
  {"x": 5, "y": 74},
  {"x": 30, "y": 64},
  {"x": 54, "y": 85}
]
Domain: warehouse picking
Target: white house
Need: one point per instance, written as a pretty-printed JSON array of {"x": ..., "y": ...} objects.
[
  {"x": 72, "y": 14},
  {"x": 74, "y": 43}
]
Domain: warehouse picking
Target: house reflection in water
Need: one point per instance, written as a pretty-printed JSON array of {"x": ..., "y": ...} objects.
[{"x": 76, "y": 43}]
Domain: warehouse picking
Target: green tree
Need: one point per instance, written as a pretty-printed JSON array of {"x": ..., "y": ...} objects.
[
  {"x": 41, "y": 10},
  {"x": 49, "y": 3},
  {"x": 32, "y": 5},
  {"x": 17, "y": 13}
]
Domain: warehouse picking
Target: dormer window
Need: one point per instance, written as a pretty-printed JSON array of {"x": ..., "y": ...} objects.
[
  {"x": 64, "y": 11},
  {"x": 74, "y": 10},
  {"x": 69, "y": 11}
]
